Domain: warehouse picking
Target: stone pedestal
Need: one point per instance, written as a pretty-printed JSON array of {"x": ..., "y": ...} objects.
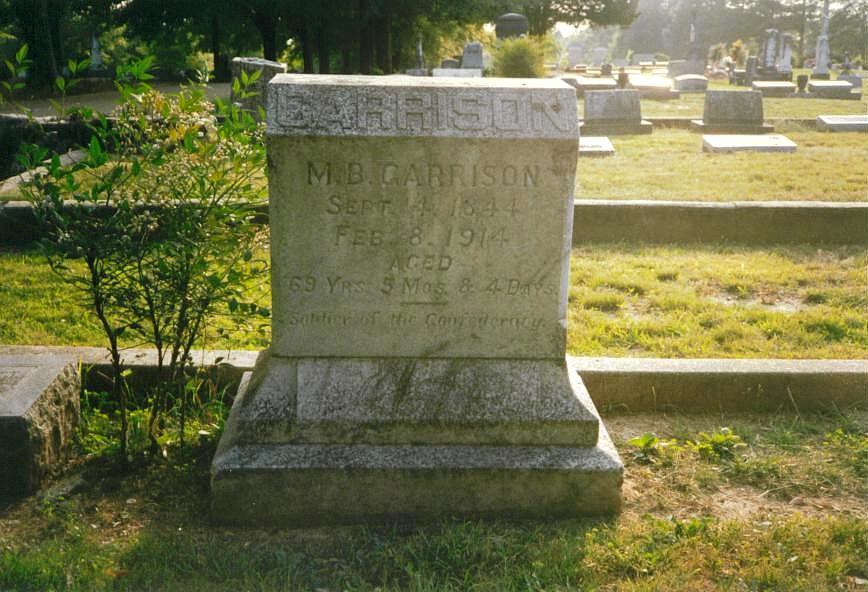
[{"x": 420, "y": 239}]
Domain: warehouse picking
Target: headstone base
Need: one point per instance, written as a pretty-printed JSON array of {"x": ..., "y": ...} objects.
[
  {"x": 314, "y": 441},
  {"x": 697, "y": 125},
  {"x": 615, "y": 128}
]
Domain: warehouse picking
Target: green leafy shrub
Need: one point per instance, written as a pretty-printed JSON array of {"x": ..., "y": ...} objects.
[
  {"x": 521, "y": 57},
  {"x": 718, "y": 446},
  {"x": 161, "y": 214}
]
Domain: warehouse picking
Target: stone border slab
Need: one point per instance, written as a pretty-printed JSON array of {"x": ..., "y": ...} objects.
[
  {"x": 654, "y": 384},
  {"x": 603, "y": 220},
  {"x": 595, "y": 146},
  {"x": 842, "y": 123},
  {"x": 691, "y": 385}
]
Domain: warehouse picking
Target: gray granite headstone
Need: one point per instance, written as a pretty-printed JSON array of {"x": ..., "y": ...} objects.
[
  {"x": 831, "y": 89},
  {"x": 690, "y": 83},
  {"x": 472, "y": 56},
  {"x": 510, "y": 24},
  {"x": 575, "y": 55},
  {"x": 248, "y": 65},
  {"x": 39, "y": 409},
  {"x": 420, "y": 241},
  {"x": 732, "y": 112},
  {"x": 450, "y": 63},
  {"x": 842, "y": 123},
  {"x": 609, "y": 112}
]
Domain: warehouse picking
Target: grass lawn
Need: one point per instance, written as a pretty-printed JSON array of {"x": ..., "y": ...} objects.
[
  {"x": 670, "y": 165},
  {"x": 781, "y": 510},
  {"x": 625, "y": 300}
]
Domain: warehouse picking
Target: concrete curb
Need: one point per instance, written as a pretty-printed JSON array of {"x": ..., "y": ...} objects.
[
  {"x": 630, "y": 384},
  {"x": 743, "y": 222},
  {"x": 605, "y": 220}
]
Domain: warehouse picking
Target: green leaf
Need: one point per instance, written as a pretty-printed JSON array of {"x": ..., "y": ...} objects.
[
  {"x": 21, "y": 54},
  {"x": 60, "y": 82}
]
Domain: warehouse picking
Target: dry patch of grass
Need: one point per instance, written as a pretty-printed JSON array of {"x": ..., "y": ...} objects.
[
  {"x": 713, "y": 301},
  {"x": 670, "y": 165},
  {"x": 687, "y": 524}
]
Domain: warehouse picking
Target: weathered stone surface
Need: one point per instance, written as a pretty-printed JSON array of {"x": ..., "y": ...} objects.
[
  {"x": 732, "y": 112},
  {"x": 458, "y": 72},
  {"x": 450, "y": 64},
  {"x": 39, "y": 409},
  {"x": 583, "y": 84},
  {"x": 691, "y": 83},
  {"x": 610, "y": 112},
  {"x": 658, "y": 88},
  {"x": 747, "y": 143},
  {"x": 595, "y": 146},
  {"x": 313, "y": 484},
  {"x": 830, "y": 89},
  {"x": 250, "y": 65},
  {"x": 419, "y": 247},
  {"x": 420, "y": 239},
  {"x": 414, "y": 401},
  {"x": 842, "y": 123},
  {"x": 774, "y": 88}
]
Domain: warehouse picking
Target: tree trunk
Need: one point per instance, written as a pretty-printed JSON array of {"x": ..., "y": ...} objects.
[
  {"x": 323, "y": 49},
  {"x": 32, "y": 16},
  {"x": 365, "y": 46},
  {"x": 221, "y": 72},
  {"x": 307, "y": 49},
  {"x": 384, "y": 43},
  {"x": 265, "y": 24}
]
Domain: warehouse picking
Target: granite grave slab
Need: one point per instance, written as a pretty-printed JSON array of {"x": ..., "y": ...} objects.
[
  {"x": 747, "y": 143},
  {"x": 732, "y": 112},
  {"x": 774, "y": 88},
  {"x": 595, "y": 146},
  {"x": 842, "y": 123},
  {"x": 609, "y": 112},
  {"x": 831, "y": 89}
]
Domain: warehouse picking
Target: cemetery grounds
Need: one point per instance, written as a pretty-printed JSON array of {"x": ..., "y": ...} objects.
[{"x": 772, "y": 501}]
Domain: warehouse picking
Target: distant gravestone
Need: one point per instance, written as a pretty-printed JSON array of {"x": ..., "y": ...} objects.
[
  {"x": 853, "y": 79},
  {"x": 691, "y": 83},
  {"x": 598, "y": 56},
  {"x": 657, "y": 88},
  {"x": 747, "y": 143},
  {"x": 637, "y": 59},
  {"x": 582, "y": 84},
  {"x": 611, "y": 112},
  {"x": 509, "y": 25},
  {"x": 774, "y": 88},
  {"x": 420, "y": 238},
  {"x": 450, "y": 63},
  {"x": 785, "y": 61},
  {"x": 822, "y": 54},
  {"x": 575, "y": 55},
  {"x": 39, "y": 410},
  {"x": 831, "y": 89},
  {"x": 472, "y": 57},
  {"x": 732, "y": 112},
  {"x": 842, "y": 123},
  {"x": 249, "y": 66},
  {"x": 677, "y": 68}
]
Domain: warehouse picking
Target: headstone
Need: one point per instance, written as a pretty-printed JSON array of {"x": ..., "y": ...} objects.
[
  {"x": 450, "y": 63},
  {"x": 732, "y": 112},
  {"x": 854, "y": 79},
  {"x": 95, "y": 55},
  {"x": 822, "y": 56},
  {"x": 606, "y": 70},
  {"x": 831, "y": 89},
  {"x": 420, "y": 240},
  {"x": 582, "y": 84},
  {"x": 747, "y": 143},
  {"x": 774, "y": 88},
  {"x": 39, "y": 410},
  {"x": 598, "y": 56},
  {"x": 509, "y": 25},
  {"x": 457, "y": 72},
  {"x": 595, "y": 146},
  {"x": 785, "y": 62},
  {"x": 750, "y": 70},
  {"x": 769, "y": 49},
  {"x": 802, "y": 82},
  {"x": 611, "y": 112},
  {"x": 472, "y": 57},
  {"x": 623, "y": 79},
  {"x": 842, "y": 123},
  {"x": 691, "y": 83},
  {"x": 575, "y": 55},
  {"x": 268, "y": 70}
]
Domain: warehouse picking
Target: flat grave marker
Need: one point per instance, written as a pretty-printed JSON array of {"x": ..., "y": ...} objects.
[{"x": 747, "y": 143}]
